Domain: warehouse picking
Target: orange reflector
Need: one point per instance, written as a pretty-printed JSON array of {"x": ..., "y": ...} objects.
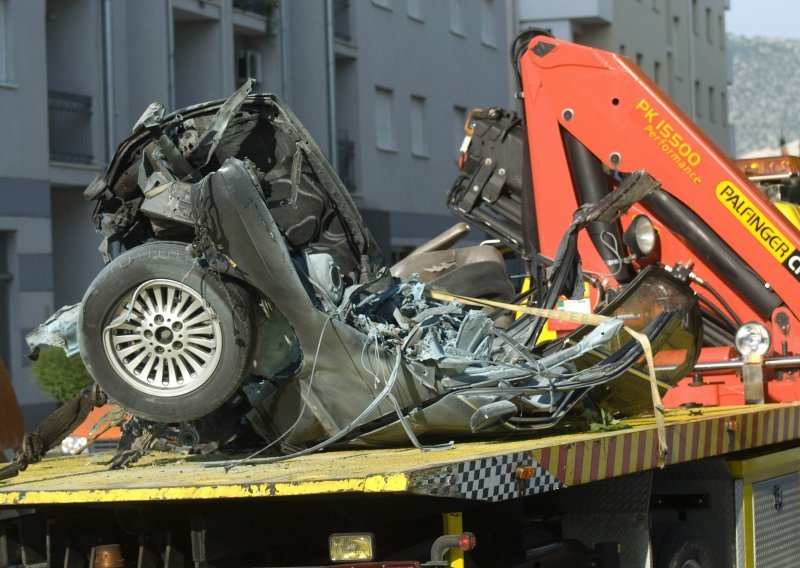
[
  {"x": 525, "y": 472},
  {"x": 466, "y": 541},
  {"x": 775, "y": 166}
]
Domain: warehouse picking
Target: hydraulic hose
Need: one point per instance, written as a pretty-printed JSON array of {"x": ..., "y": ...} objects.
[
  {"x": 701, "y": 239},
  {"x": 591, "y": 186}
]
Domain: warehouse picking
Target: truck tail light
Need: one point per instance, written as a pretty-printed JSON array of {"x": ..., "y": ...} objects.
[{"x": 466, "y": 541}]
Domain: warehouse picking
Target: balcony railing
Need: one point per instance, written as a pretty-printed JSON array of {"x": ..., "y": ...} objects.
[
  {"x": 341, "y": 20},
  {"x": 346, "y": 158},
  {"x": 260, "y": 7},
  {"x": 70, "y": 122}
]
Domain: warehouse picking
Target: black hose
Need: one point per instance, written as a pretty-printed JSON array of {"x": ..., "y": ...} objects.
[
  {"x": 719, "y": 298},
  {"x": 723, "y": 318},
  {"x": 700, "y": 238},
  {"x": 591, "y": 186}
]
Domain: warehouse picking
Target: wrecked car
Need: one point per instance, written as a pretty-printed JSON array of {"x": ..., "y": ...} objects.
[{"x": 244, "y": 297}]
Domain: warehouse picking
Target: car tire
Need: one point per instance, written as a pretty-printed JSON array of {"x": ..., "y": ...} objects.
[
  {"x": 184, "y": 346},
  {"x": 683, "y": 547}
]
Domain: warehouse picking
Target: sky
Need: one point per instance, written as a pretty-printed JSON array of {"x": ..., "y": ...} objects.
[{"x": 766, "y": 18}]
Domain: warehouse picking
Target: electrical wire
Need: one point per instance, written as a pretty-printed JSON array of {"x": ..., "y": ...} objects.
[{"x": 231, "y": 464}]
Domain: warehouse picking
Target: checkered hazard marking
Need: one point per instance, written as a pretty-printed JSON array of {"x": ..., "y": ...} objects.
[{"x": 487, "y": 479}]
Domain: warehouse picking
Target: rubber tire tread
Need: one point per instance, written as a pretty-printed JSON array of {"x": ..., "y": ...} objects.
[
  {"x": 680, "y": 544},
  {"x": 171, "y": 261}
]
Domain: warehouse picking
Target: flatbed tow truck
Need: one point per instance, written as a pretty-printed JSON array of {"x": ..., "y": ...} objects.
[{"x": 728, "y": 493}]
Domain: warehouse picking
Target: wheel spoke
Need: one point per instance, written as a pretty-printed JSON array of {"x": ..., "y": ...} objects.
[
  {"x": 173, "y": 378},
  {"x": 137, "y": 360},
  {"x": 126, "y": 338},
  {"x": 159, "y": 370},
  {"x": 183, "y": 297},
  {"x": 170, "y": 299},
  {"x": 205, "y": 330},
  {"x": 158, "y": 298},
  {"x": 202, "y": 317},
  {"x": 135, "y": 318},
  {"x": 196, "y": 365},
  {"x": 201, "y": 341},
  {"x": 184, "y": 372},
  {"x": 148, "y": 366},
  {"x": 193, "y": 306},
  {"x": 145, "y": 295},
  {"x": 130, "y": 350},
  {"x": 204, "y": 356},
  {"x": 171, "y": 342}
]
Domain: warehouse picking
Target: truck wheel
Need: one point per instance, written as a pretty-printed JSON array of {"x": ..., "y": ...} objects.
[
  {"x": 682, "y": 547},
  {"x": 179, "y": 348}
]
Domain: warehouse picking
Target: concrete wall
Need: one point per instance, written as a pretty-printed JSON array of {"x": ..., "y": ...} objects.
[
  {"x": 23, "y": 100},
  {"x": 76, "y": 260},
  {"x": 424, "y": 59},
  {"x": 24, "y": 189},
  {"x": 307, "y": 66}
]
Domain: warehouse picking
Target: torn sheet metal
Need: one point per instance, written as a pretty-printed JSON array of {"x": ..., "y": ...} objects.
[
  {"x": 60, "y": 330},
  {"x": 339, "y": 348}
]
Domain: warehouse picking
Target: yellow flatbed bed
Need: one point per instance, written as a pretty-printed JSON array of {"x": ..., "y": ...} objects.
[{"x": 489, "y": 471}]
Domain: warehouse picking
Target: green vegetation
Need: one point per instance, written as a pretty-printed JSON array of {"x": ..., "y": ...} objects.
[{"x": 60, "y": 376}]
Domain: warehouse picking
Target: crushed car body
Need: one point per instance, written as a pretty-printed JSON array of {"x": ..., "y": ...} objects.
[{"x": 245, "y": 299}]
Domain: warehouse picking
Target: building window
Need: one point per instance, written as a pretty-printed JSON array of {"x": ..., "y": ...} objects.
[
  {"x": 384, "y": 129},
  {"x": 488, "y": 33},
  {"x": 385, "y": 4},
  {"x": 697, "y": 100},
  {"x": 721, "y": 30},
  {"x": 5, "y": 297},
  {"x": 414, "y": 9},
  {"x": 457, "y": 17},
  {"x": 419, "y": 147},
  {"x": 639, "y": 60},
  {"x": 670, "y": 75},
  {"x": 4, "y": 64},
  {"x": 723, "y": 107},
  {"x": 459, "y": 120},
  {"x": 677, "y": 46},
  {"x": 712, "y": 111},
  {"x": 622, "y": 49},
  {"x": 657, "y": 72},
  {"x": 695, "y": 18},
  {"x": 709, "y": 35}
]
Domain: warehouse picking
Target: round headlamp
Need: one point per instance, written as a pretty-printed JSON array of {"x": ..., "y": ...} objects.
[
  {"x": 752, "y": 340},
  {"x": 641, "y": 236}
]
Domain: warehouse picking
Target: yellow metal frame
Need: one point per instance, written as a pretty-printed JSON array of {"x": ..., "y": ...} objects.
[
  {"x": 453, "y": 525},
  {"x": 752, "y": 470},
  {"x": 568, "y": 459}
]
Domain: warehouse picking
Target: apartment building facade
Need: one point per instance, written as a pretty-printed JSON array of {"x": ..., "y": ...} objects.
[
  {"x": 383, "y": 85},
  {"x": 680, "y": 44}
]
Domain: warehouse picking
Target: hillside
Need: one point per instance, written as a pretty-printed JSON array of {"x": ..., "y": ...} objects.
[{"x": 764, "y": 105}]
